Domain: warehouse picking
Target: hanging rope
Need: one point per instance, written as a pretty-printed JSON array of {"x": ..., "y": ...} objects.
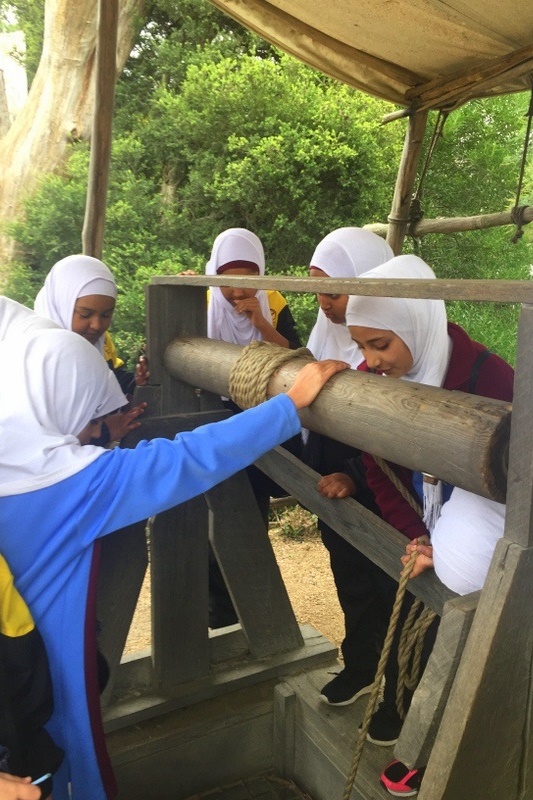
[
  {"x": 380, "y": 672},
  {"x": 251, "y": 373},
  {"x": 410, "y": 646}
]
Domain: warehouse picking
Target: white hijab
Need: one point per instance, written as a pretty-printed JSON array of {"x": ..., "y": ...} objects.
[
  {"x": 69, "y": 279},
  {"x": 17, "y": 320},
  {"x": 223, "y": 322},
  {"x": 464, "y": 538},
  {"x": 58, "y": 384},
  {"x": 421, "y": 324},
  {"x": 344, "y": 253}
]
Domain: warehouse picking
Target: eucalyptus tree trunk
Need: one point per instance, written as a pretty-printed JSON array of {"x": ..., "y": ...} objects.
[{"x": 60, "y": 102}]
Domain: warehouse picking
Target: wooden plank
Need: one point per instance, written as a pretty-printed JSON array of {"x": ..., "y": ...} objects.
[
  {"x": 284, "y": 730},
  {"x": 123, "y": 562},
  {"x": 498, "y": 291},
  {"x": 173, "y": 311},
  {"x": 193, "y": 749},
  {"x": 518, "y": 527},
  {"x": 429, "y": 701},
  {"x": 179, "y": 558},
  {"x": 132, "y": 708},
  {"x": 325, "y": 738},
  {"x": 484, "y": 740},
  {"x": 459, "y": 437},
  {"x": 246, "y": 559},
  {"x": 356, "y": 524}
]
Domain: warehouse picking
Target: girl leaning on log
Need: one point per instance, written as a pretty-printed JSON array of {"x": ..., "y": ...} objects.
[
  {"x": 411, "y": 339},
  {"x": 69, "y": 496},
  {"x": 241, "y": 315},
  {"x": 365, "y": 592}
]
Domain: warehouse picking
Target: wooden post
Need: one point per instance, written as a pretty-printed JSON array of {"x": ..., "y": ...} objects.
[
  {"x": 401, "y": 202},
  {"x": 519, "y": 526},
  {"x": 94, "y": 222}
]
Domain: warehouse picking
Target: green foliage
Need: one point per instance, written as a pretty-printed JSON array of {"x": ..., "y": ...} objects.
[
  {"x": 215, "y": 128},
  {"x": 244, "y": 131}
]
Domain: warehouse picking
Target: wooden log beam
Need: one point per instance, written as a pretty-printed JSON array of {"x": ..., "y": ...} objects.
[
  {"x": 106, "y": 70},
  {"x": 468, "y": 289},
  {"x": 461, "y": 438},
  {"x": 455, "y": 224}
]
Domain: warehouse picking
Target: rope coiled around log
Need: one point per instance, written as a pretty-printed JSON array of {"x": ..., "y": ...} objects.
[{"x": 251, "y": 373}]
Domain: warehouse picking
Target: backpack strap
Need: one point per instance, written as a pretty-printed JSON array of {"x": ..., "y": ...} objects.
[{"x": 481, "y": 357}]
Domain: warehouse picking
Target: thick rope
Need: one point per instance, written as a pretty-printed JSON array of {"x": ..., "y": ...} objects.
[
  {"x": 410, "y": 651},
  {"x": 394, "y": 479},
  {"x": 251, "y": 373},
  {"x": 380, "y": 672}
]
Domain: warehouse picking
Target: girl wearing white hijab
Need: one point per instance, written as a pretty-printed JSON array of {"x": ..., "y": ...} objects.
[
  {"x": 411, "y": 339},
  {"x": 361, "y": 586},
  {"x": 241, "y": 315},
  {"x": 343, "y": 253},
  {"x": 73, "y": 279},
  {"x": 79, "y": 294},
  {"x": 71, "y": 496},
  {"x": 16, "y": 319}
]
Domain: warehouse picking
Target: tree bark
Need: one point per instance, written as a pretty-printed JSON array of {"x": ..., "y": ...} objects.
[{"x": 60, "y": 102}]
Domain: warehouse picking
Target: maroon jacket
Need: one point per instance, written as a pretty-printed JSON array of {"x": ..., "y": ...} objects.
[{"x": 492, "y": 377}]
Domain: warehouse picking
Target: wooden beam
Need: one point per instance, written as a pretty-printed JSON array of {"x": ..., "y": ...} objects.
[
  {"x": 457, "y": 88},
  {"x": 468, "y": 289},
  {"x": 355, "y": 523},
  {"x": 459, "y": 437},
  {"x": 106, "y": 70},
  {"x": 405, "y": 181},
  {"x": 483, "y": 746},
  {"x": 455, "y": 224}
]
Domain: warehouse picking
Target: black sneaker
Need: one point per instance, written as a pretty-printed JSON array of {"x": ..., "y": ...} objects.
[
  {"x": 401, "y": 781},
  {"x": 345, "y": 688},
  {"x": 385, "y": 726}
]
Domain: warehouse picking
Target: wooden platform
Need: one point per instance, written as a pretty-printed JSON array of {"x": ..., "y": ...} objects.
[
  {"x": 281, "y": 728},
  {"x": 320, "y": 741}
]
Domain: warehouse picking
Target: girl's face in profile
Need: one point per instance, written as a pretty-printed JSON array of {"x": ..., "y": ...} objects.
[
  {"x": 333, "y": 305},
  {"x": 92, "y": 316},
  {"x": 384, "y": 351}
]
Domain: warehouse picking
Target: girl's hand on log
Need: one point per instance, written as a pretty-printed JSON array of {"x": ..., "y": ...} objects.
[
  {"x": 424, "y": 559},
  {"x": 338, "y": 484},
  {"x": 311, "y": 379}
]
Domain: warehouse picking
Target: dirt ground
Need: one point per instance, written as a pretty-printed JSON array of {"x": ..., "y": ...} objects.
[{"x": 304, "y": 565}]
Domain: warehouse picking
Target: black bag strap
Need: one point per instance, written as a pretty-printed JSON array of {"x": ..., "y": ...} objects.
[{"x": 481, "y": 357}]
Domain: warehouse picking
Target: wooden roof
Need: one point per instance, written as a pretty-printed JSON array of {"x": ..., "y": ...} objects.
[{"x": 422, "y": 53}]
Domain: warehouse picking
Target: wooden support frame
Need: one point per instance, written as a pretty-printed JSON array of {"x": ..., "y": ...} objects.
[
  {"x": 405, "y": 181},
  {"x": 106, "y": 70}
]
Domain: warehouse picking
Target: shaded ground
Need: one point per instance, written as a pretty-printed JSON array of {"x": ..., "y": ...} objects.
[{"x": 304, "y": 565}]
